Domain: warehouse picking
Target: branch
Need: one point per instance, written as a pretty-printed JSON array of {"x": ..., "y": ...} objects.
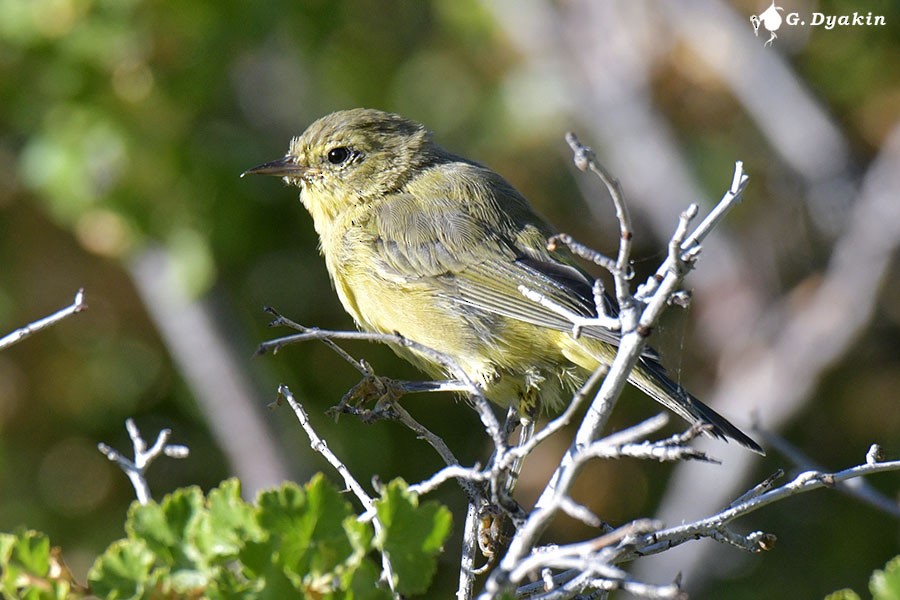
[
  {"x": 143, "y": 457},
  {"x": 585, "y": 159},
  {"x": 775, "y": 363},
  {"x": 20, "y": 334},
  {"x": 570, "y": 569},
  {"x": 467, "y": 478},
  {"x": 714, "y": 526},
  {"x": 638, "y": 316},
  {"x": 463, "y": 384},
  {"x": 856, "y": 488},
  {"x": 319, "y": 445},
  {"x": 672, "y": 449},
  {"x": 690, "y": 246},
  {"x": 467, "y": 570}
]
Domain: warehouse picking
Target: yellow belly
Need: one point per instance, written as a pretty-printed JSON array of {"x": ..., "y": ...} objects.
[{"x": 514, "y": 363}]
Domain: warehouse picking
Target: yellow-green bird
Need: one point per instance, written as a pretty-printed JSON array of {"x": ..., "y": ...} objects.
[{"x": 435, "y": 247}]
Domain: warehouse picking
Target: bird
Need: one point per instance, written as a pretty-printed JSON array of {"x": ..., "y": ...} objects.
[{"x": 436, "y": 248}]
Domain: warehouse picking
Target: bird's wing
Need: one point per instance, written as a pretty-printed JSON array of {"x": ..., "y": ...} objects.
[{"x": 482, "y": 256}]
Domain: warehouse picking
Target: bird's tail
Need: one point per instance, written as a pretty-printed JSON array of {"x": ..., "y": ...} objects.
[{"x": 650, "y": 377}]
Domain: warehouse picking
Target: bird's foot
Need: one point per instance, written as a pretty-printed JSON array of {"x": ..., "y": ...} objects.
[{"x": 371, "y": 389}]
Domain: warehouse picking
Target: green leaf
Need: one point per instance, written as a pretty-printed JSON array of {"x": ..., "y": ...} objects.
[
  {"x": 847, "y": 594},
  {"x": 885, "y": 585},
  {"x": 26, "y": 563},
  {"x": 361, "y": 583},
  {"x": 31, "y": 569},
  {"x": 7, "y": 541},
  {"x": 31, "y": 553},
  {"x": 122, "y": 570},
  {"x": 259, "y": 560},
  {"x": 359, "y": 574},
  {"x": 359, "y": 535},
  {"x": 413, "y": 535},
  {"x": 164, "y": 527},
  {"x": 306, "y": 534},
  {"x": 170, "y": 530},
  {"x": 232, "y": 586},
  {"x": 221, "y": 530}
]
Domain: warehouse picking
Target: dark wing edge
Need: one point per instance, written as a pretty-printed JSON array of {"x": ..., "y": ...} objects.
[{"x": 677, "y": 399}]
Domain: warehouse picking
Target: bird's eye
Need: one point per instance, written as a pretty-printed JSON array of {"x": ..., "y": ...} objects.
[{"x": 338, "y": 155}]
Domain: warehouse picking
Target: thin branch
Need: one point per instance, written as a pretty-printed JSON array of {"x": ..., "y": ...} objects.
[
  {"x": 564, "y": 418},
  {"x": 662, "y": 451},
  {"x": 143, "y": 457},
  {"x": 467, "y": 569},
  {"x": 584, "y": 565},
  {"x": 359, "y": 365},
  {"x": 586, "y": 159},
  {"x": 579, "y": 512},
  {"x": 567, "y": 570},
  {"x": 78, "y": 305},
  {"x": 636, "y": 326},
  {"x": 637, "y": 432},
  {"x": 579, "y": 322},
  {"x": 776, "y": 363},
  {"x": 582, "y": 251},
  {"x": 319, "y": 445},
  {"x": 458, "y": 472},
  {"x": 856, "y": 488},
  {"x": 713, "y": 526},
  {"x": 761, "y": 488},
  {"x": 465, "y": 382},
  {"x": 739, "y": 181}
]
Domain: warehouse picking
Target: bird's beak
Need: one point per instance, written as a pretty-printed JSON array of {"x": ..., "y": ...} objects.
[{"x": 282, "y": 167}]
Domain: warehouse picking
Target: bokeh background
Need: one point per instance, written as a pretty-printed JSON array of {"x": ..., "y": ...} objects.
[{"x": 124, "y": 125}]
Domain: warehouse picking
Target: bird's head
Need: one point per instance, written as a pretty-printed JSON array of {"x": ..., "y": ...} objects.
[{"x": 351, "y": 157}]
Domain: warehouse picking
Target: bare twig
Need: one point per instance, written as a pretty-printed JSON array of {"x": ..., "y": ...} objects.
[
  {"x": 690, "y": 245},
  {"x": 855, "y": 488},
  {"x": 585, "y": 565},
  {"x": 637, "y": 432},
  {"x": 578, "y": 321},
  {"x": 467, "y": 478},
  {"x": 570, "y": 569},
  {"x": 467, "y": 571},
  {"x": 319, "y": 445},
  {"x": 564, "y": 418},
  {"x": 662, "y": 451},
  {"x": 143, "y": 457},
  {"x": 714, "y": 525},
  {"x": 464, "y": 383},
  {"x": 638, "y": 316},
  {"x": 457, "y": 472},
  {"x": 776, "y": 363},
  {"x": 764, "y": 486},
  {"x": 78, "y": 305},
  {"x": 359, "y": 365},
  {"x": 586, "y": 159}
]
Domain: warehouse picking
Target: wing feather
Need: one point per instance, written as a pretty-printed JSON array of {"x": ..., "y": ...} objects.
[{"x": 479, "y": 257}]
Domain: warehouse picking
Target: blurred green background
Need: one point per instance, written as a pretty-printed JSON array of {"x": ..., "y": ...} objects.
[{"x": 124, "y": 125}]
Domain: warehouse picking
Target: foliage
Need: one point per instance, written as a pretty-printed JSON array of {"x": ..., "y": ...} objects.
[
  {"x": 884, "y": 585},
  {"x": 292, "y": 541}
]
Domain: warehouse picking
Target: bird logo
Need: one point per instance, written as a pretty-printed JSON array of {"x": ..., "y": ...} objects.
[{"x": 770, "y": 19}]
